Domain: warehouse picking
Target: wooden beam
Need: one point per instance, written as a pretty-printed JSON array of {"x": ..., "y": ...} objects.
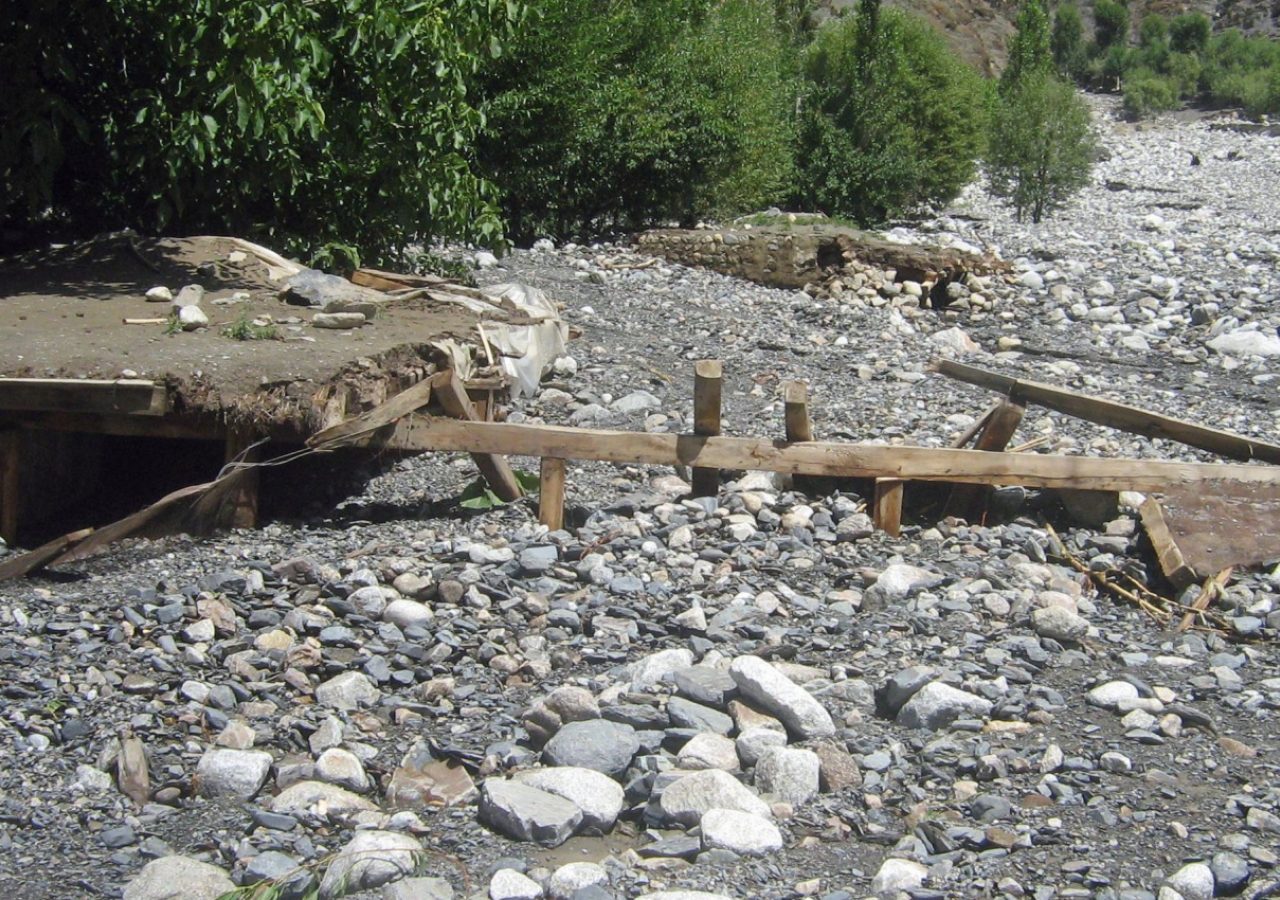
[
  {"x": 241, "y": 510},
  {"x": 418, "y": 433},
  {"x": 551, "y": 493},
  {"x": 796, "y": 397},
  {"x": 170, "y": 426},
  {"x": 888, "y": 505},
  {"x": 966, "y": 499},
  {"x": 492, "y": 465},
  {"x": 23, "y": 564},
  {"x": 10, "y": 485},
  {"x": 1115, "y": 415},
  {"x": 123, "y": 396},
  {"x": 708, "y": 384}
]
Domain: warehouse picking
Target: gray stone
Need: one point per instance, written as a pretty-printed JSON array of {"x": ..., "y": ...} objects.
[
  {"x": 683, "y": 895},
  {"x": 370, "y": 860},
  {"x": 407, "y": 613},
  {"x": 1193, "y": 881},
  {"x": 343, "y": 768},
  {"x": 305, "y": 796},
  {"x": 898, "y": 875},
  {"x": 178, "y": 878},
  {"x": 418, "y": 889},
  {"x": 708, "y": 751},
  {"x": 593, "y": 744},
  {"x": 788, "y": 773},
  {"x": 685, "y": 800},
  {"x": 937, "y": 705},
  {"x": 528, "y": 814},
  {"x": 897, "y": 580},
  {"x": 233, "y": 773},
  {"x": 338, "y": 321},
  {"x": 319, "y": 290},
  {"x": 190, "y": 295},
  {"x": 293, "y": 880},
  {"x": 703, "y": 684},
  {"x": 760, "y": 682},
  {"x": 192, "y": 317},
  {"x": 508, "y": 884},
  {"x": 1246, "y": 343},
  {"x": 1059, "y": 623},
  {"x": 755, "y": 741},
  {"x": 1109, "y": 695},
  {"x": 658, "y": 667},
  {"x": 350, "y": 690},
  {"x": 636, "y": 401},
  {"x": 599, "y": 797},
  {"x": 739, "y": 832},
  {"x": 575, "y": 876},
  {"x": 687, "y": 714},
  {"x": 894, "y": 693},
  {"x": 1230, "y": 872}
]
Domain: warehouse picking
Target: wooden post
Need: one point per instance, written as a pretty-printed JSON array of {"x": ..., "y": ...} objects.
[
  {"x": 495, "y": 469},
  {"x": 10, "y": 485},
  {"x": 796, "y": 396},
  {"x": 965, "y": 499},
  {"x": 707, "y": 388},
  {"x": 241, "y": 510},
  {"x": 888, "y": 505},
  {"x": 551, "y": 493}
]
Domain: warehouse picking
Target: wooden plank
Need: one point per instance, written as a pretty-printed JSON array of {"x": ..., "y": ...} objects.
[
  {"x": 795, "y": 396},
  {"x": 403, "y": 403},
  {"x": 963, "y": 439},
  {"x": 1230, "y": 525},
  {"x": 493, "y": 466},
  {"x": 708, "y": 385},
  {"x": 1116, "y": 415},
  {"x": 127, "y": 395},
  {"x": 551, "y": 493},
  {"x": 26, "y": 563},
  {"x": 1171, "y": 560},
  {"x": 967, "y": 500},
  {"x": 1211, "y": 589},
  {"x": 393, "y": 281},
  {"x": 417, "y": 433},
  {"x": 10, "y": 485},
  {"x": 888, "y": 505}
]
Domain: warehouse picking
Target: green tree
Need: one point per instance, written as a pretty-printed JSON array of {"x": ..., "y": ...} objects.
[
  {"x": 1111, "y": 24},
  {"x": 891, "y": 119},
  {"x": 1190, "y": 33},
  {"x": 1067, "y": 41},
  {"x": 303, "y": 123},
  {"x": 1046, "y": 146},
  {"x": 1031, "y": 49},
  {"x": 640, "y": 111}
]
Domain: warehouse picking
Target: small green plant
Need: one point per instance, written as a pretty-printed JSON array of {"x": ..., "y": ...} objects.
[
  {"x": 478, "y": 494},
  {"x": 173, "y": 326},
  {"x": 54, "y": 707},
  {"x": 247, "y": 329},
  {"x": 455, "y": 270}
]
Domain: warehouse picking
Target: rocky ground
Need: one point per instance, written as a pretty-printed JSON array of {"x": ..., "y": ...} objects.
[{"x": 751, "y": 695}]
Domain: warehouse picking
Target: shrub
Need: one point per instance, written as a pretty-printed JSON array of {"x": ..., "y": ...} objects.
[
  {"x": 304, "y": 124},
  {"x": 1030, "y": 50},
  {"x": 1146, "y": 92},
  {"x": 1045, "y": 149},
  {"x": 639, "y": 111},
  {"x": 891, "y": 119}
]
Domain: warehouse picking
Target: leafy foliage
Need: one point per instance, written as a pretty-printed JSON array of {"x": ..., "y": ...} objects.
[
  {"x": 300, "y": 123},
  {"x": 1067, "y": 42},
  {"x": 891, "y": 119},
  {"x": 1046, "y": 148},
  {"x": 1031, "y": 49},
  {"x": 637, "y": 111},
  {"x": 478, "y": 494},
  {"x": 1190, "y": 33},
  {"x": 1111, "y": 24}
]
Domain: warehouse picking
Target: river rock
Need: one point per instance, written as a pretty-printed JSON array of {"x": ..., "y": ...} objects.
[{"x": 760, "y": 682}]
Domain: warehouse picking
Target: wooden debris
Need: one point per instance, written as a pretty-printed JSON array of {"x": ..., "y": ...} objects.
[
  {"x": 419, "y": 433},
  {"x": 1115, "y": 415},
  {"x": 796, "y": 399},
  {"x": 17, "y": 566},
  {"x": 1213, "y": 588},
  {"x": 145, "y": 321},
  {"x": 10, "y": 483},
  {"x": 707, "y": 386},
  {"x": 1231, "y": 525},
  {"x": 403, "y": 403}
]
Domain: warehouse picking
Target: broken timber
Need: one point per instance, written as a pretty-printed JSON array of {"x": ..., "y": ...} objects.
[
  {"x": 1115, "y": 415},
  {"x": 418, "y": 433}
]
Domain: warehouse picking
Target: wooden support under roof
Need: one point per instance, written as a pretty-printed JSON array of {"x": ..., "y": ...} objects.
[{"x": 126, "y": 396}]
